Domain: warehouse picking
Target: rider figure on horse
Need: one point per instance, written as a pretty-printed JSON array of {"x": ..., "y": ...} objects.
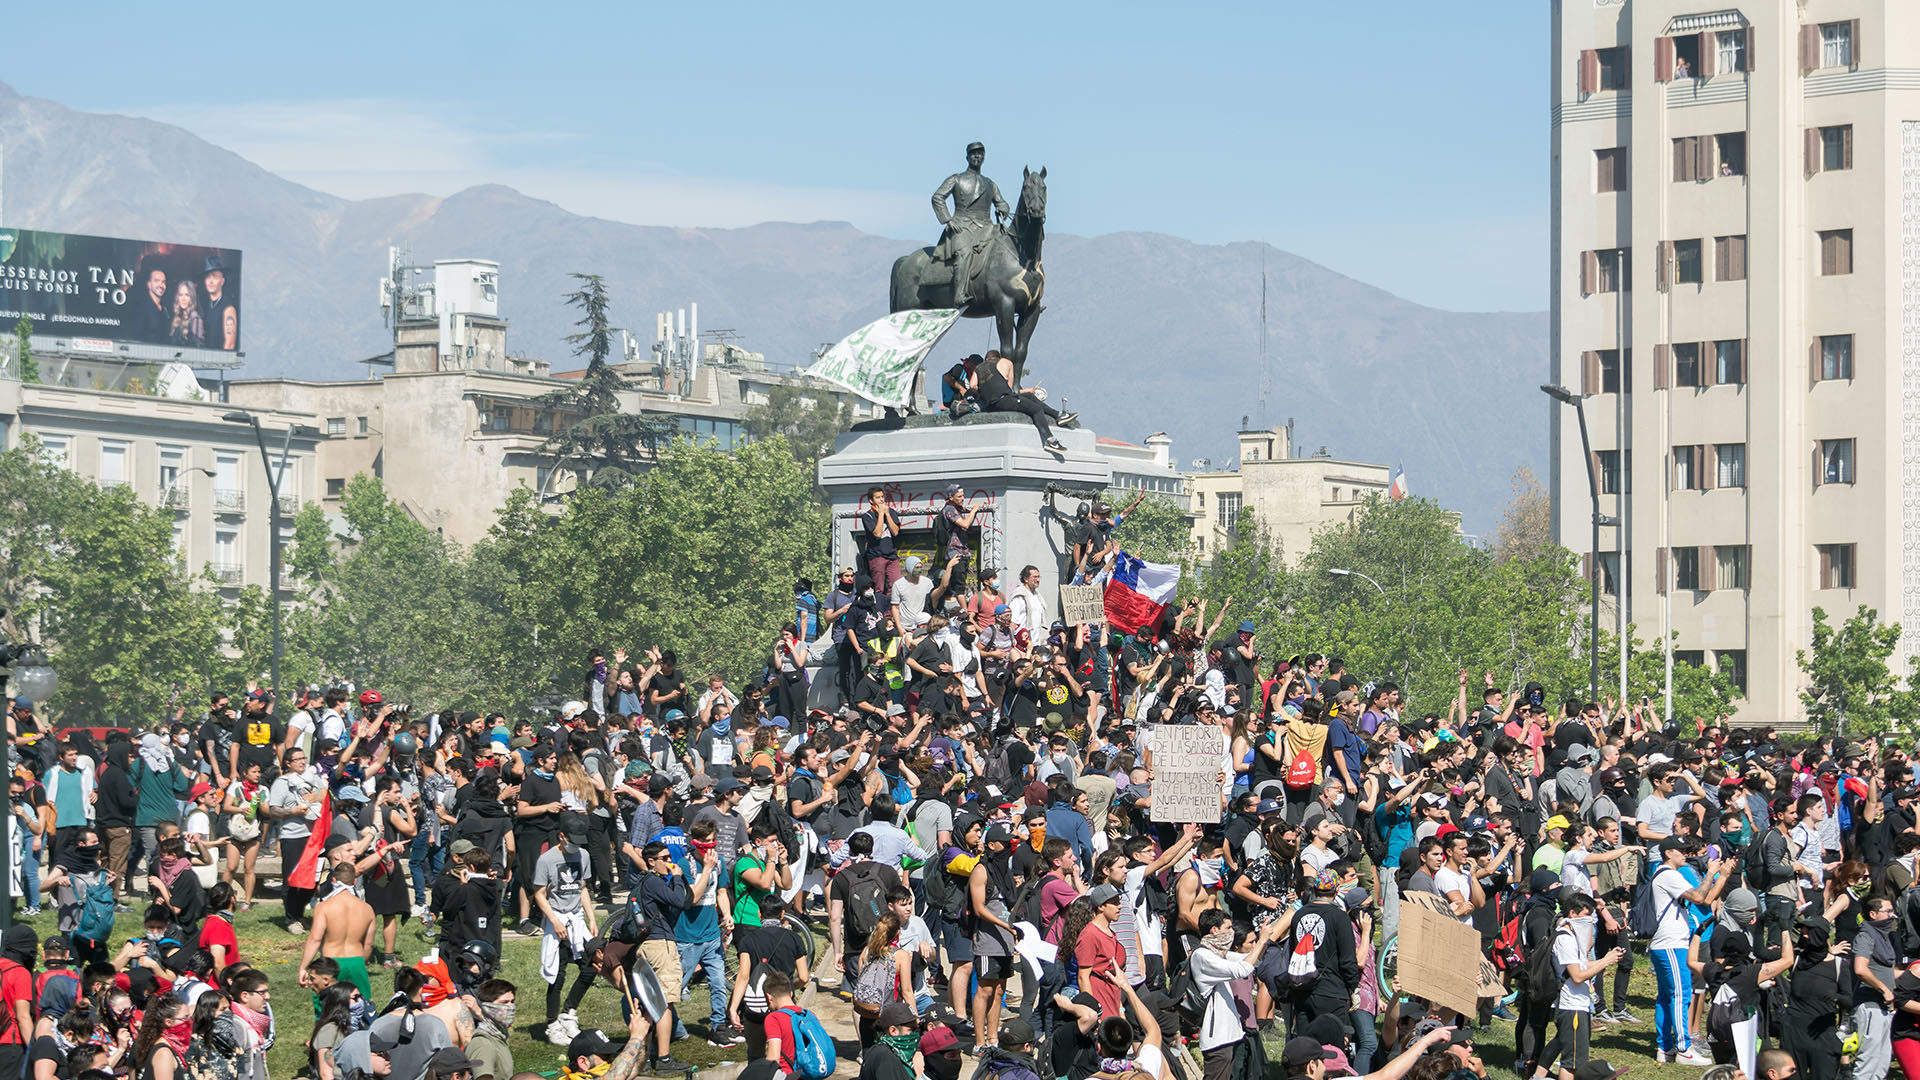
[{"x": 973, "y": 223}]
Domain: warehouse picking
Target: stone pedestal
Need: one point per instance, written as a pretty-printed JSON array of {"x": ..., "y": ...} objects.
[{"x": 996, "y": 456}]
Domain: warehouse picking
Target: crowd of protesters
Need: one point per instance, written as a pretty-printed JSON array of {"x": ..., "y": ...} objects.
[{"x": 965, "y": 811}]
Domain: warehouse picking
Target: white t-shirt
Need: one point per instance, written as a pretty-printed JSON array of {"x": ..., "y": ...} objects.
[
  {"x": 1673, "y": 930},
  {"x": 1811, "y": 852},
  {"x": 300, "y": 729},
  {"x": 1448, "y": 880},
  {"x": 1573, "y": 872},
  {"x": 1152, "y": 942},
  {"x": 1320, "y": 859},
  {"x": 333, "y": 726},
  {"x": 912, "y": 936},
  {"x": 1567, "y": 951},
  {"x": 197, "y": 823}
]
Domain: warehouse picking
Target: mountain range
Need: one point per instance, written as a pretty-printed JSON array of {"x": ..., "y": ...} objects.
[{"x": 1143, "y": 332}]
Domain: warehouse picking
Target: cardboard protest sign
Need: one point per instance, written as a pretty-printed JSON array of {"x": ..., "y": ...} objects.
[
  {"x": 1081, "y": 604},
  {"x": 1187, "y": 759}
]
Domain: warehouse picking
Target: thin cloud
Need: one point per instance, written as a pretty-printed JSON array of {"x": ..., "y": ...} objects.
[{"x": 363, "y": 148}]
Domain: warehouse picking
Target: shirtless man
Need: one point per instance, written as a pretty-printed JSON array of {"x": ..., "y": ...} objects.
[
  {"x": 461, "y": 1013},
  {"x": 343, "y": 930}
]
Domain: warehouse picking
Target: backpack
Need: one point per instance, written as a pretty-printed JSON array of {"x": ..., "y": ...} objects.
[
  {"x": 1507, "y": 953},
  {"x": 999, "y": 769},
  {"x": 900, "y": 790},
  {"x": 626, "y": 924},
  {"x": 1753, "y": 863},
  {"x": 1188, "y": 999},
  {"x": 813, "y": 1054},
  {"x": 1303, "y": 965},
  {"x": 96, "y": 911},
  {"x": 1543, "y": 974},
  {"x": 942, "y": 533},
  {"x": 775, "y": 810},
  {"x": 876, "y": 986},
  {"x": 1302, "y": 771},
  {"x": 945, "y": 893},
  {"x": 1026, "y": 904},
  {"x": 806, "y": 615},
  {"x": 866, "y": 899}
]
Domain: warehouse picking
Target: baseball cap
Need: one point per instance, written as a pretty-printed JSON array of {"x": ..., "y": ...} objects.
[
  {"x": 726, "y": 784},
  {"x": 56, "y": 943},
  {"x": 762, "y": 773},
  {"x": 845, "y": 570},
  {"x": 1558, "y": 821},
  {"x": 1246, "y": 626},
  {"x": 352, "y": 793},
  {"x": 938, "y": 1039},
  {"x": 448, "y": 1060},
  {"x": 898, "y": 1014},
  {"x": 1674, "y": 843},
  {"x": 998, "y": 609},
  {"x": 1656, "y": 759},
  {"x": 1300, "y": 1052},
  {"x": 199, "y": 789},
  {"x": 1542, "y": 880},
  {"x": 1103, "y": 893},
  {"x": 593, "y": 1042},
  {"x": 23, "y": 703},
  {"x": 701, "y": 781},
  {"x": 462, "y": 846},
  {"x": 380, "y": 1044},
  {"x": 1015, "y": 1034},
  {"x": 955, "y": 489},
  {"x": 778, "y": 721}
]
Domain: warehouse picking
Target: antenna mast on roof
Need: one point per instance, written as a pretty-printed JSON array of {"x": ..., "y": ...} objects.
[{"x": 1266, "y": 375}]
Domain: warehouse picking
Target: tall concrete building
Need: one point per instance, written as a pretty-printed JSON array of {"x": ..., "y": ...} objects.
[
  {"x": 1291, "y": 496},
  {"x": 1736, "y": 305}
]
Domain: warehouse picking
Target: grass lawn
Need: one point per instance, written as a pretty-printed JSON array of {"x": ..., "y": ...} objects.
[{"x": 267, "y": 946}]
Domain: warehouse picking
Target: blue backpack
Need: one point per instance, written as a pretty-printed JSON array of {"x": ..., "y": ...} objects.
[
  {"x": 96, "y": 911},
  {"x": 813, "y": 1055}
]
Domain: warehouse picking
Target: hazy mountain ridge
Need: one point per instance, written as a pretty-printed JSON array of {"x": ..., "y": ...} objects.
[{"x": 1367, "y": 374}]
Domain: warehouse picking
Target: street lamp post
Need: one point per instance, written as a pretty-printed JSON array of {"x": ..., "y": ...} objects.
[
  {"x": 1337, "y": 571},
  {"x": 1566, "y": 397},
  {"x": 167, "y": 492},
  {"x": 273, "y": 507}
]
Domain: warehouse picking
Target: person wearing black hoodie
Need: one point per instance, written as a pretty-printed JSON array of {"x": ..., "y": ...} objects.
[
  {"x": 114, "y": 813},
  {"x": 18, "y": 948},
  {"x": 1538, "y": 914},
  {"x": 1325, "y": 920}
]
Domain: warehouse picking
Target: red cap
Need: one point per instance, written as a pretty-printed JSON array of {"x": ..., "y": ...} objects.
[
  {"x": 938, "y": 1038},
  {"x": 370, "y": 697},
  {"x": 1446, "y": 829},
  {"x": 200, "y": 789}
]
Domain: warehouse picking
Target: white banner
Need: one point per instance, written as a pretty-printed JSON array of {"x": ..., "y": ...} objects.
[
  {"x": 878, "y": 361},
  {"x": 1187, "y": 760}
]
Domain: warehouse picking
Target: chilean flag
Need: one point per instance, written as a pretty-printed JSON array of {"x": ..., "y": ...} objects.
[
  {"x": 1138, "y": 592},
  {"x": 1397, "y": 489}
]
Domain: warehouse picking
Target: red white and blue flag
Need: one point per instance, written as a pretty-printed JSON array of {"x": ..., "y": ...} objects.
[
  {"x": 1138, "y": 592},
  {"x": 1397, "y": 489}
]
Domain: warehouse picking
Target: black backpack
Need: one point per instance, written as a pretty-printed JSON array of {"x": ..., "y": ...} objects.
[
  {"x": 866, "y": 898},
  {"x": 1753, "y": 863},
  {"x": 783, "y": 826},
  {"x": 946, "y": 893},
  {"x": 1543, "y": 974},
  {"x": 626, "y": 925},
  {"x": 1026, "y": 903}
]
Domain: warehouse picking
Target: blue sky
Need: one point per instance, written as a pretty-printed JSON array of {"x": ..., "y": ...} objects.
[{"x": 1402, "y": 143}]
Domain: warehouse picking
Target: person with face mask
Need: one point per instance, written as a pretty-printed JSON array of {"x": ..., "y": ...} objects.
[
  {"x": 1876, "y": 961},
  {"x": 494, "y": 1003},
  {"x": 1818, "y": 994},
  {"x": 1573, "y": 955},
  {"x": 1735, "y": 979}
]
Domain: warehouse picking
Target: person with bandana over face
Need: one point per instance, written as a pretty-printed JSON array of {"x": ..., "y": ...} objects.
[
  {"x": 899, "y": 1032},
  {"x": 1818, "y": 994},
  {"x": 76, "y": 870}
]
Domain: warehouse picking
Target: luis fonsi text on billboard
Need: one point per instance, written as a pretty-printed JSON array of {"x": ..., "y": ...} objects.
[{"x": 143, "y": 291}]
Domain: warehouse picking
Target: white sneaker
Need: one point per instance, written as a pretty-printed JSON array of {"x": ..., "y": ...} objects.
[
  {"x": 557, "y": 1032},
  {"x": 1692, "y": 1057},
  {"x": 419, "y": 911}
]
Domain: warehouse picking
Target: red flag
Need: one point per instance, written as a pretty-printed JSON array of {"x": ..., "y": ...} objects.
[{"x": 307, "y": 872}]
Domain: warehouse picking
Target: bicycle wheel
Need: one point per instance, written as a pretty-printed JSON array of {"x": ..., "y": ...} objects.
[
  {"x": 1389, "y": 963},
  {"x": 792, "y": 921}
]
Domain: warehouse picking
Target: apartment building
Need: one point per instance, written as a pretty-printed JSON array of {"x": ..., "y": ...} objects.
[
  {"x": 179, "y": 454},
  {"x": 1736, "y": 306},
  {"x": 1292, "y": 497}
]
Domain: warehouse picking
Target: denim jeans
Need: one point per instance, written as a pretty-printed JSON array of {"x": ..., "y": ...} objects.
[
  {"x": 710, "y": 957},
  {"x": 30, "y": 872},
  {"x": 423, "y": 864}
]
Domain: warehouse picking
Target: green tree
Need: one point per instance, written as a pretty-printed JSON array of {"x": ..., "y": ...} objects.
[
  {"x": 23, "y": 342},
  {"x": 390, "y": 606},
  {"x": 1699, "y": 693},
  {"x": 699, "y": 554},
  {"x": 809, "y": 419},
  {"x": 1850, "y": 689},
  {"x": 592, "y": 439},
  {"x": 1158, "y": 529}
]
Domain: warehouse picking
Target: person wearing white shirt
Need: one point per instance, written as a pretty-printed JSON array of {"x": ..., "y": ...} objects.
[
  {"x": 1029, "y": 607},
  {"x": 1456, "y": 881},
  {"x": 1808, "y": 837},
  {"x": 1215, "y": 965},
  {"x": 333, "y": 723},
  {"x": 910, "y": 596},
  {"x": 1672, "y": 941},
  {"x": 1573, "y": 955}
]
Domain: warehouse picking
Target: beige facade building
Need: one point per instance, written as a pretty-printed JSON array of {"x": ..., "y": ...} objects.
[
  {"x": 1736, "y": 301},
  {"x": 176, "y": 453},
  {"x": 1292, "y": 497}
]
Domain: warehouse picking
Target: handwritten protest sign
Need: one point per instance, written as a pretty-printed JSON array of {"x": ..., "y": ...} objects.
[
  {"x": 1081, "y": 604},
  {"x": 1431, "y": 943},
  {"x": 1187, "y": 759}
]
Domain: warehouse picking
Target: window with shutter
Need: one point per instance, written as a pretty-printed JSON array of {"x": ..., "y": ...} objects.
[
  {"x": 1589, "y": 273},
  {"x": 1729, "y": 258},
  {"x": 1662, "y": 365},
  {"x": 1707, "y": 51},
  {"x": 1731, "y": 150},
  {"x": 1662, "y": 265},
  {"x": 1589, "y": 373},
  {"x": 1686, "y": 363},
  {"x": 1590, "y": 71},
  {"x": 1730, "y": 362},
  {"x": 1836, "y": 356},
  {"x": 1730, "y": 566},
  {"x": 1660, "y": 570},
  {"x": 1810, "y": 149},
  {"x": 1836, "y": 252},
  {"x": 1686, "y": 262},
  {"x": 1730, "y": 50},
  {"x": 1835, "y": 148},
  {"x": 1610, "y": 169},
  {"x": 1686, "y": 152},
  {"x": 1730, "y": 465},
  {"x": 1809, "y": 48},
  {"x": 1703, "y": 557},
  {"x": 1663, "y": 59}
]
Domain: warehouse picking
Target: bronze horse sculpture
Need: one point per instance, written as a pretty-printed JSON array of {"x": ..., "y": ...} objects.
[{"x": 1007, "y": 281}]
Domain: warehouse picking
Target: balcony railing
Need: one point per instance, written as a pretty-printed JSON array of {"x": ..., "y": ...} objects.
[
  {"x": 175, "y": 497},
  {"x": 227, "y": 573},
  {"x": 289, "y": 505},
  {"x": 229, "y": 500}
]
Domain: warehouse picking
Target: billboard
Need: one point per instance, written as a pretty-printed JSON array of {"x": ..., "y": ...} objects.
[{"x": 121, "y": 290}]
